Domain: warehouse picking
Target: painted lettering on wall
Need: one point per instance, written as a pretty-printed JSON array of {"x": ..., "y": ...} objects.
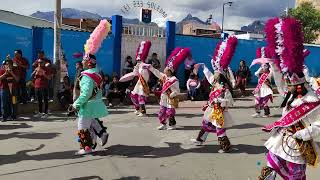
[{"x": 126, "y": 8}]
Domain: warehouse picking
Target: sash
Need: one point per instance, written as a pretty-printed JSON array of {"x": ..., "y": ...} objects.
[
  {"x": 262, "y": 79},
  {"x": 293, "y": 116},
  {"x": 167, "y": 84},
  {"x": 318, "y": 92},
  {"x": 145, "y": 86},
  {"x": 97, "y": 80},
  {"x": 214, "y": 94},
  {"x": 94, "y": 76}
]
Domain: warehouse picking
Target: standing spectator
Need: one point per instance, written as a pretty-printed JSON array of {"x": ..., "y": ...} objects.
[
  {"x": 9, "y": 77},
  {"x": 22, "y": 66},
  {"x": 42, "y": 56},
  {"x": 188, "y": 67},
  {"x": 242, "y": 77},
  {"x": 154, "y": 61},
  {"x": 76, "y": 88},
  {"x": 106, "y": 85},
  {"x": 128, "y": 65},
  {"x": 193, "y": 85},
  {"x": 65, "y": 93},
  {"x": 116, "y": 90},
  {"x": 42, "y": 76}
]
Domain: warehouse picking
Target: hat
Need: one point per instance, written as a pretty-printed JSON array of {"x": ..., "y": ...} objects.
[
  {"x": 143, "y": 51},
  {"x": 223, "y": 54},
  {"x": 285, "y": 46},
  {"x": 90, "y": 58},
  {"x": 177, "y": 56}
]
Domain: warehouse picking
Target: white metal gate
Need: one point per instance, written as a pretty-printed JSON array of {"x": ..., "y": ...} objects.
[{"x": 133, "y": 34}]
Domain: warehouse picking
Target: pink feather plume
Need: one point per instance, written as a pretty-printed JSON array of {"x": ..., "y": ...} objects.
[
  {"x": 97, "y": 36},
  {"x": 229, "y": 52},
  {"x": 293, "y": 56},
  {"x": 177, "y": 56},
  {"x": 143, "y": 50}
]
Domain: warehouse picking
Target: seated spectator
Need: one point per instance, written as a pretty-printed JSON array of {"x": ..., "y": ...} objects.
[
  {"x": 128, "y": 65},
  {"x": 65, "y": 93},
  {"x": 116, "y": 90},
  {"x": 106, "y": 85},
  {"x": 9, "y": 79},
  {"x": 193, "y": 85},
  {"x": 155, "y": 62}
]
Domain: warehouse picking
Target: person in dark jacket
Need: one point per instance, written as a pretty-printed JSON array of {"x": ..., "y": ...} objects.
[{"x": 242, "y": 76}]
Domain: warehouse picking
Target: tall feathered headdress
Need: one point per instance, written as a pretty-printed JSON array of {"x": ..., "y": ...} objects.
[
  {"x": 177, "y": 56},
  {"x": 285, "y": 46},
  {"x": 261, "y": 55},
  {"x": 143, "y": 51},
  {"x": 223, "y": 54},
  {"x": 96, "y": 38}
]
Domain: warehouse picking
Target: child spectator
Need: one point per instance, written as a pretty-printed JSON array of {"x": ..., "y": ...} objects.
[
  {"x": 116, "y": 90},
  {"x": 193, "y": 85}
]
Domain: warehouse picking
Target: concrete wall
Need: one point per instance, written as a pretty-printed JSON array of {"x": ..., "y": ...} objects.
[{"x": 130, "y": 43}]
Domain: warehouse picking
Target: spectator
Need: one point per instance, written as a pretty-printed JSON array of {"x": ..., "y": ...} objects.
[
  {"x": 242, "y": 76},
  {"x": 42, "y": 56},
  {"x": 157, "y": 89},
  {"x": 9, "y": 76},
  {"x": 106, "y": 85},
  {"x": 76, "y": 89},
  {"x": 41, "y": 77},
  {"x": 188, "y": 67},
  {"x": 193, "y": 85},
  {"x": 154, "y": 61},
  {"x": 128, "y": 65},
  {"x": 22, "y": 66},
  {"x": 116, "y": 90},
  {"x": 65, "y": 93},
  {"x": 205, "y": 89}
]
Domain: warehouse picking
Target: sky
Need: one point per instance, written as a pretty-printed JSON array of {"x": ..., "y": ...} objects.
[{"x": 241, "y": 13}]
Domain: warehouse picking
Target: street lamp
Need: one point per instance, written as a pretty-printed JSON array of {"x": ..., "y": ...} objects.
[{"x": 226, "y": 3}]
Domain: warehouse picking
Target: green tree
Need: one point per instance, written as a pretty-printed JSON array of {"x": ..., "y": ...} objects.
[{"x": 310, "y": 19}]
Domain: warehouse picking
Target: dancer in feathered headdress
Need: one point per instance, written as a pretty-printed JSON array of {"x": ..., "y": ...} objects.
[
  {"x": 291, "y": 146},
  {"x": 170, "y": 87},
  {"x": 141, "y": 90},
  {"x": 216, "y": 117},
  {"x": 263, "y": 92},
  {"x": 89, "y": 104}
]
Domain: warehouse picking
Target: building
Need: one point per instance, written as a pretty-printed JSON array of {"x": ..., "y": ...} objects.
[
  {"x": 316, "y": 3},
  {"x": 197, "y": 29},
  {"x": 29, "y": 21}
]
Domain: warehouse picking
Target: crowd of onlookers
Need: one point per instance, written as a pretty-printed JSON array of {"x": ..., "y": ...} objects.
[{"x": 16, "y": 87}]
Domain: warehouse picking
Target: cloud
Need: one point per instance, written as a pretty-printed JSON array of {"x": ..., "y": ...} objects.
[{"x": 241, "y": 11}]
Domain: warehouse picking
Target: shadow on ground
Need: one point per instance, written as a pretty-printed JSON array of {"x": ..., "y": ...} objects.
[
  {"x": 4, "y": 126},
  {"x": 25, "y": 135},
  {"x": 240, "y": 126},
  {"x": 173, "y": 149},
  {"x": 129, "y": 178},
  {"x": 88, "y": 178}
]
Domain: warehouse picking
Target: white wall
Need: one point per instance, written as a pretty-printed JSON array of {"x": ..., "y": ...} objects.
[{"x": 130, "y": 44}]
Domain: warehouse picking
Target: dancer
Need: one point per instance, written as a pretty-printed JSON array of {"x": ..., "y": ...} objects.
[
  {"x": 263, "y": 92},
  {"x": 141, "y": 90},
  {"x": 170, "y": 88},
  {"x": 89, "y": 104},
  {"x": 291, "y": 146},
  {"x": 216, "y": 116}
]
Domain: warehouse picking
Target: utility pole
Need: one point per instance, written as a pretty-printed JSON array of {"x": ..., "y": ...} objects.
[
  {"x": 57, "y": 46},
  {"x": 226, "y": 3}
]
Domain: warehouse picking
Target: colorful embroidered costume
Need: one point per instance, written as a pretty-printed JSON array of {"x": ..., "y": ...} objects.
[
  {"x": 216, "y": 116},
  {"x": 291, "y": 146}
]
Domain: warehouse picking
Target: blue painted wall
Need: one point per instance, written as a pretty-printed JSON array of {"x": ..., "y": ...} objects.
[
  {"x": 31, "y": 40},
  {"x": 73, "y": 41},
  {"x": 14, "y": 37},
  {"x": 313, "y": 60}
]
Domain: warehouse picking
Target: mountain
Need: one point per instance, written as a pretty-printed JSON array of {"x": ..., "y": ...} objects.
[
  {"x": 256, "y": 26},
  {"x": 188, "y": 19},
  {"x": 67, "y": 13},
  {"x": 78, "y": 14}
]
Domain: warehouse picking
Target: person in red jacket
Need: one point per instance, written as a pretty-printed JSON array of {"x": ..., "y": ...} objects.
[
  {"x": 41, "y": 76},
  {"x": 22, "y": 66},
  {"x": 9, "y": 78}
]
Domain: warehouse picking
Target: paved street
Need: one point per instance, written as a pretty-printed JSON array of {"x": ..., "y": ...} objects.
[{"x": 44, "y": 149}]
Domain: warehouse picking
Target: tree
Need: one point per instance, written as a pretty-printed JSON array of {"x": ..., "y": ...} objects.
[{"x": 310, "y": 19}]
